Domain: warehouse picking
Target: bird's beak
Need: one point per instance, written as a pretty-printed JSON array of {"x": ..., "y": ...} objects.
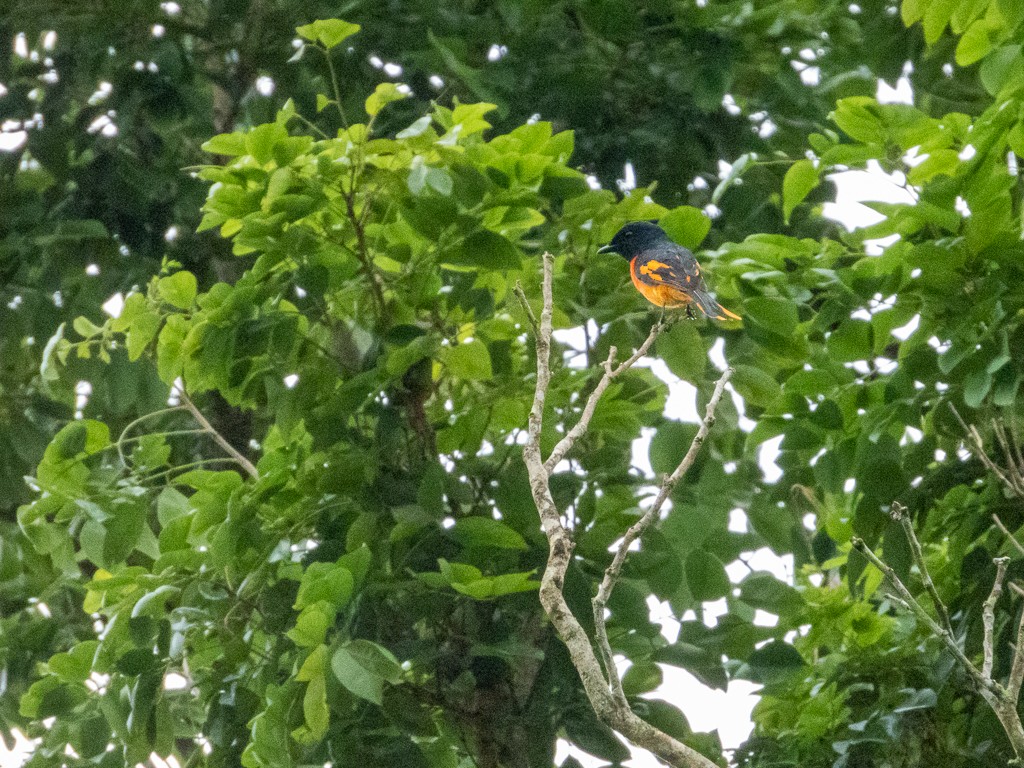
[{"x": 607, "y": 249}]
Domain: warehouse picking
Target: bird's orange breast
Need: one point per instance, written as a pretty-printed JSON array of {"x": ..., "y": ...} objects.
[{"x": 660, "y": 295}]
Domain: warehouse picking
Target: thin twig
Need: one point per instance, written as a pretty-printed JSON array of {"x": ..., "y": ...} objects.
[
  {"x": 1006, "y": 532},
  {"x": 988, "y": 615},
  {"x": 521, "y": 295},
  {"x": 637, "y": 530},
  {"x": 974, "y": 438},
  {"x": 947, "y": 638},
  {"x": 1017, "y": 669},
  {"x": 899, "y": 513},
  {"x": 610, "y": 374},
  {"x": 243, "y": 462}
]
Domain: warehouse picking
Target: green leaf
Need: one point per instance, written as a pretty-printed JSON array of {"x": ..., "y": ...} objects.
[
  {"x": 363, "y": 667},
  {"x": 851, "y": 341},
  {"x": 924, "y": 698},
  {"x": 800, "y": 179},
  {"x": 152, "y": 603},
  {"x": 328, "y": 32},
  {"x": 669, "y": 445},
  {"x": 643, "y": 677},
  {"x": 327, "y": 582},
  {"x": 311, "y": 627},
  {"x": 470, "y": 117},
  {"x": 85, "y": 327},
  {"x": 583, "y": 729},
  {"x": 229, "y": 144},
  {"x": 705, "y": 576},
  {"x": 314, "y": 703},
  {"x": 384, "y": 94},
  {"x": 141, "y": 332},
  {"x": 773, "y": 314},
  {"x": 775, "y": 661},
  {"x": 977, "y": 386},
  {"x": 469, "y": 361},
  {"x": 48, "y": 368},
  {"x": 484, "y": 249},
  {"x": 75, "y": 666},
  {"x": 687, "y": 225},
  {"x": 486, "y": 532},
  {"x": 755, "y": 386},
  {"x": 178, "y": 289},
  {"x": 683, "y": 350},
  {"x": 977, "y": 42},
  {"x": 761, "y": 589},
  {"x": 936, "y": 17}
]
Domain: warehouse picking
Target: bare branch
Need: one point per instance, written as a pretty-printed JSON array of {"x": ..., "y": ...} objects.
[
  {"x": 1017, "y": 670},
  {"x": 218, "y": 438},
  {"x": 947, "y": 638},
  {"x": 521, "y": 295},
  {"x": 1003, "y": 701},
  {"x": 610, "y": 373},
  {"x": 613, "y": 710},
  {"x": 989, "y": 615},
  {"x": 611, "y": 574},
  {"x": 899, "y": 513},
  {"x": 976, "y": 442},
  {"x": 1006, "y": 532}
]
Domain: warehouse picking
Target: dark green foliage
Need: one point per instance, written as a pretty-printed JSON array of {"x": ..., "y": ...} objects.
[{"x": 331, "y": 279}]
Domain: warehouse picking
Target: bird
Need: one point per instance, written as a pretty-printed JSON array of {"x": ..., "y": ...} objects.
[{"x": 665, "y": 273}]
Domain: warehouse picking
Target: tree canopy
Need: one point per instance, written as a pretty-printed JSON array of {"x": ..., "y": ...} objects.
[{"x": 268, "y": 507}]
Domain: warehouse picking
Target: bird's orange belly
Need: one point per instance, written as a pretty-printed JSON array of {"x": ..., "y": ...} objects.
[{"x": 660, "y": 295}]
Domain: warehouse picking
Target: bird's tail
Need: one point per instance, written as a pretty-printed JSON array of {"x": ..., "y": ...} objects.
[{"x": 706, "y": 304}]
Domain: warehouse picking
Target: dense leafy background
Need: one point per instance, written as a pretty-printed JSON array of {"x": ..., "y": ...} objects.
[{"x": 344, "y": 315}]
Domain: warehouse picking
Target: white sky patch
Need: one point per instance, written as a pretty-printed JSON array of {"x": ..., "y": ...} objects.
[
  {"x": 265, "y": 85},
  {"x": 903, "y": 93},
  {"x": 628, "y": 180},
  {"x": 12, "y": 141},
  {"x": 291, "y": 380},
  {"x": 436, "y": 82},
  {"x": 856, "y": 187},
  {"x": 175, "y": 682},
  {"x": 767, "y": 454},
  {"x": 114, "y": 305},
  {"x": 641, "y": 452},
  {"x": 811, "y": 76},
  {"x": 904, "y": 331},
  {"x": 738, "y": 521}
]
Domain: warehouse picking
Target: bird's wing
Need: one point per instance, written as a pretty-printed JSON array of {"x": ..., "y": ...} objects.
[{"x": 675, "y": 267}]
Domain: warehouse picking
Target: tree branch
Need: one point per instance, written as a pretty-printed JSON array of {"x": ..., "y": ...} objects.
[
  {"x": 610, "y": 707},
  {"x": 940, "y": 632},
  {"x": 989, "y": 616},
  {"x": 218, "y": 438},
  {"x": 610, "y": 373},
  {"x": 1006, "y": 532},
  {"x": 637, "y": 530},
  {"x": 899, "y": 513},
  {"x": 1003, "y": 701}
]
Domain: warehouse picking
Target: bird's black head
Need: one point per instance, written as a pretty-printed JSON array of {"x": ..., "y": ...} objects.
[{"x": 635, "y": 237}]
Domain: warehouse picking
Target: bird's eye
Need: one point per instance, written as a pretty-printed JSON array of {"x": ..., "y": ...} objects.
[{"x": 629, "y": 234}]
